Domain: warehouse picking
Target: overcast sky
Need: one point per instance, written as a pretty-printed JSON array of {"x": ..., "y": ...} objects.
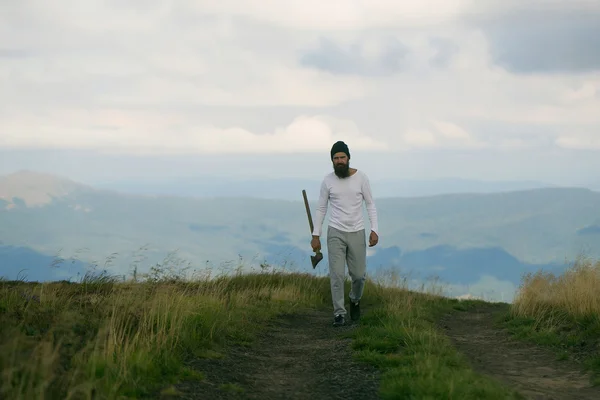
[{"x": 475, "y": 89}]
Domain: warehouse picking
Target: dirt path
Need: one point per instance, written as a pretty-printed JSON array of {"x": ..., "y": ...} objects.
[
  {"x": 533, "y": 371},
  {"x": 298, "y": 357}
]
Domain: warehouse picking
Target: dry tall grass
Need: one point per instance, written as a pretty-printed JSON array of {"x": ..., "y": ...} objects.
[
  {"x": 575, "y": 293},
  {"x": 104, "y": 339},
  {"x": 562, "y": 312}
]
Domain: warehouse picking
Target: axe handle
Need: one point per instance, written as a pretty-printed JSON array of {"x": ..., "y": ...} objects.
[{"x": 308, "y": 214}]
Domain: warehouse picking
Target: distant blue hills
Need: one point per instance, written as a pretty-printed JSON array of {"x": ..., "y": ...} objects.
[
  {"x": 448, "y": 263},
  {"x": 30, "y": 265}
]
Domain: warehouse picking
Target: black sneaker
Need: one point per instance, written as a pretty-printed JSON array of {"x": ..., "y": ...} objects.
[
  {"x": 354, "y": 310},
  {"x": 339, "y": 320}
]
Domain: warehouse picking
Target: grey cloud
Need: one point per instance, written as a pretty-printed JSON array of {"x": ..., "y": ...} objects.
[
  {"x": 13, "y": 53},
  {"x": 445, "y": 51},
  {"x": 544, "y": 40},
  {"x": 499, "y": 133},
  {"x": 333, "y": 58}
]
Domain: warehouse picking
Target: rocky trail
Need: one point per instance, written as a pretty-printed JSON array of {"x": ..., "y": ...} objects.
[{"x": 535, "y": 372}]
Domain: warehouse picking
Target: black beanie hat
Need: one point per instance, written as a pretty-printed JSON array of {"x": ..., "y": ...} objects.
[{"x": 340, "y": 147}]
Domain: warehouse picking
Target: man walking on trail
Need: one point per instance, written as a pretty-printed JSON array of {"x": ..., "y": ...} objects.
[{"x": 345, "y": 189}]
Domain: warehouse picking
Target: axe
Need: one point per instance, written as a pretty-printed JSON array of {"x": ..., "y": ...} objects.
[{"x": 318, "y": 255}]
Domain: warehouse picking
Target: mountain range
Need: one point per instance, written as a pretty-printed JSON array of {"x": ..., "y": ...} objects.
[
  {"x": 287, "y": 189},
  {"x": 470, "y": 241}
]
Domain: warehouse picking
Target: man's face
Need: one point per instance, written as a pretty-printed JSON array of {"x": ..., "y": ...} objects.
[{"x": 341, "y": 164}]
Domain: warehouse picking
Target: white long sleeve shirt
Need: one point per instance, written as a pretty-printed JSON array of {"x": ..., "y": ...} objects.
[{"x": 346, "y": 197}]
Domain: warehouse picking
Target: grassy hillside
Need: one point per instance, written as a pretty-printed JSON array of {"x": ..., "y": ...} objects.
[
  {"x": 108, "y": 339},
  {"x": 562, "y": 312}
]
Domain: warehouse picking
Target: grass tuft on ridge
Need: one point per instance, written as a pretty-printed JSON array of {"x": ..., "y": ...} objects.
[{"x": 561, "y": 312}]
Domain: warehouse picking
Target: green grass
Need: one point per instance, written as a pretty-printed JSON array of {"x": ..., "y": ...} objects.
[
  {"x": 418, "y": 361},
  {"x": 562, "y": 313},
  {"x": 112, "y": 339}
]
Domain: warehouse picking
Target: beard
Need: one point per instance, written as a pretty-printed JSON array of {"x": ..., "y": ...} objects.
[{"x": 342, "y": 170}]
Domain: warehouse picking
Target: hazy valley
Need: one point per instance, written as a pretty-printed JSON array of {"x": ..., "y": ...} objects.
[{"x": 479, "y": 243}]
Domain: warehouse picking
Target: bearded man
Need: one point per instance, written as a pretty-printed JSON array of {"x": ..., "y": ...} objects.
[{"x": 345, "y": 189}]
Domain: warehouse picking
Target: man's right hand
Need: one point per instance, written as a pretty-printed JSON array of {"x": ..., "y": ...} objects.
[{"x": 315, "y": 243}]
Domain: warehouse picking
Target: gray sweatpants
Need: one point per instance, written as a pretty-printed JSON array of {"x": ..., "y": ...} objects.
[{"x": 350, "y": 248}]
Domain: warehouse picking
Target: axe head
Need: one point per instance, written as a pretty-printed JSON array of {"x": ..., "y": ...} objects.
[{"x": 315, "y": 259}]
